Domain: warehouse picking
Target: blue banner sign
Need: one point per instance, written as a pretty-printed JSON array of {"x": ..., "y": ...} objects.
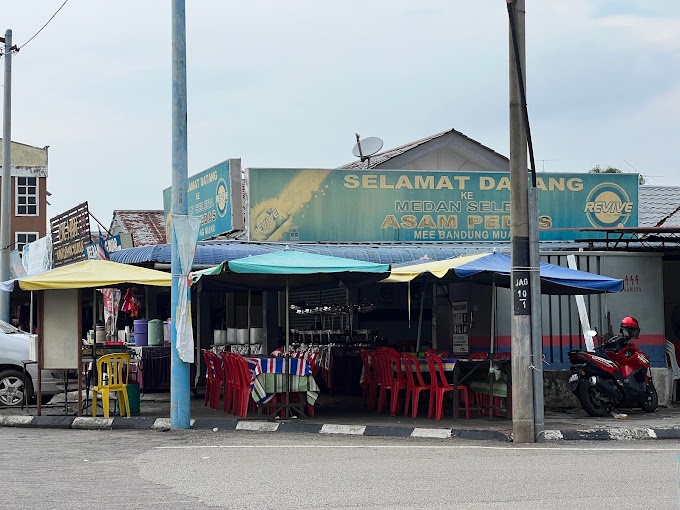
[
  {"x": 396, "y": 205},
  {"x": 212, "y": 196},
  {"x": 110, "y": 243}
]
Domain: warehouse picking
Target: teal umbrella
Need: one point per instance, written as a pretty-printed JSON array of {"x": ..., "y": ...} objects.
[{"x": 296, "y": 269}]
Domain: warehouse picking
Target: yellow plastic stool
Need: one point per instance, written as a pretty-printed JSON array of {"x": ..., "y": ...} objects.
[{"x": 115, "y": 381}]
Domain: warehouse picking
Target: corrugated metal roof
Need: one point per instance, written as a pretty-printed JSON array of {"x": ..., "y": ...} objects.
[
  {"x": 379, "y": 159},
  {"x": 215, "y": 252},
  {"x": 658, "y": 206},
  {"x": 147, "y": 227}
]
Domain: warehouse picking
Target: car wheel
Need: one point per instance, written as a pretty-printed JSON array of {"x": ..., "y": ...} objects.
[{"x": 12, "y": 388}]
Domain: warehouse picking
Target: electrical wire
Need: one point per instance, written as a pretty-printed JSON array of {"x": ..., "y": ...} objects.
[{"x": 48, "y": 22}]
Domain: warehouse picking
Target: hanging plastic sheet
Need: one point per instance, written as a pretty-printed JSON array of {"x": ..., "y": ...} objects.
[
  {"x": 111, "y": 298},
  {"x": 185, "y": 229}
]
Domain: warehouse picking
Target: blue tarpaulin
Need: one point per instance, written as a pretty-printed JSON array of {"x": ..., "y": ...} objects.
[{"x": 554, "y": 279}]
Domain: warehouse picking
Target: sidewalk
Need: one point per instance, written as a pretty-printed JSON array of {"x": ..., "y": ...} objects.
[{"x": 342, "y": 415}]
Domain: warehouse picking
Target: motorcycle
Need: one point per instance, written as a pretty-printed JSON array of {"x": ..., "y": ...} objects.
[{"x": 615, "y": 375}]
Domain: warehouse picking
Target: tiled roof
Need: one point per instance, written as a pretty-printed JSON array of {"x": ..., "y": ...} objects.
[
  {"x": 147, "y": 227},
  {"x": 379, "y": 159},
  {"x": 658, "y": 206}
]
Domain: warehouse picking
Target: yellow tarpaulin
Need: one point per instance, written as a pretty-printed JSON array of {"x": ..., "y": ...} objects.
[
  {"x": 438, "y": 268},
  {"x": 94, "y": 273}
]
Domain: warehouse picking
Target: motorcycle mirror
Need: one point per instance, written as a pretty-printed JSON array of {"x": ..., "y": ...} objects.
[{"x": 592, "y": 332}]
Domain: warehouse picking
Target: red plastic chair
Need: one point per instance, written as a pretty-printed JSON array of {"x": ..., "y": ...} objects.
[
  {"x": 406, "y": 346},
  {"x": 214, "y": 379},
  {"x": 241, "y": 386},
  {"x": 370, "y": 382},
  {"x": 440, "y": 386},
  {"x": 414, "y": 385},
  {"x": 208, "y": 377},
  {"x": 229, "y": 380},
  {"x": 390, "y": 378},
  {"x": 503, "y": 355},
  {"x": 479, "y": 355}
]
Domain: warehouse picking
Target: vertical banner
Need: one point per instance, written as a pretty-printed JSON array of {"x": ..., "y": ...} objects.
[{"x": 185, "y": 229}]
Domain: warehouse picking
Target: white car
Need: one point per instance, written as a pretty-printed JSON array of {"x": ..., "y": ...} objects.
[{"x": 14, "y": 349}]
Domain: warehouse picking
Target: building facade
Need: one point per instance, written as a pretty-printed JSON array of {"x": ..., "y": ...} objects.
[{"x": 29, "y": 193}]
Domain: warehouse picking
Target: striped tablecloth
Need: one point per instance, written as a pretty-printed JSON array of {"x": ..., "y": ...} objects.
[{"x": 268, "y": 378}]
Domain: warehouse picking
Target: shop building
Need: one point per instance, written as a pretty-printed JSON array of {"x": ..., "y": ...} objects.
[{"x": 294, "y": 208}]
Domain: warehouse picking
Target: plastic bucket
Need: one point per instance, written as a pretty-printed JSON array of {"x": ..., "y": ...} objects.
[
  {"x": 141, "y": 328},
  {"x": 155, "y": 332},
  {"x": 231, "y": 336},
  {"x": 167, "y": 334},
  {"x": 133, "y": 398},
  {"x": 256, "y": 335},
  {"x": 220, "y": 336},
  {"x": 242, "y": 336}
]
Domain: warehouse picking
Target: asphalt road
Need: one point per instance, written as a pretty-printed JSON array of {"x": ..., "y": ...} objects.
[{"x": 68, "y": 469}]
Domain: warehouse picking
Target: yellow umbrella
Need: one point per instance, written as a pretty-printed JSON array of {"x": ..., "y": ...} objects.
[
  {"x": 94, "y": 273},
  {"x": 438, "y": 268}
]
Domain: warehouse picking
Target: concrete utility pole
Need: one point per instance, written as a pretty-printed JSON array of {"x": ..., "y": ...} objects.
[
  {"x": 522, "y": 377},
  {"x": 180, "y": 396},
  {"x": 6, "y": 205}
]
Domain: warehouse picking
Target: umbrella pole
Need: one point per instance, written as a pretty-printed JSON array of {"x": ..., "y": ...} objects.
[
  {"x": 420, "y": 316},
  {"x": 30, "y": 316},
  {"x": 493, "y": 316},
  {"x": 287, "y": 359}
]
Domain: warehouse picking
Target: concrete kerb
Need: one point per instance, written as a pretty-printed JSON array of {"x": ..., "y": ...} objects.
[{"x": 164, "y": 424}]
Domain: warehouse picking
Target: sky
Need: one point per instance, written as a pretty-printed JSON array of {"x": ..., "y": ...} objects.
[{"x": 287, "y": 84}]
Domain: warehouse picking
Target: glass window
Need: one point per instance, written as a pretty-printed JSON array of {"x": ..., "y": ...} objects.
[
  {"x": 23, "y": 238},
  {"x": 27, "y": 196}
]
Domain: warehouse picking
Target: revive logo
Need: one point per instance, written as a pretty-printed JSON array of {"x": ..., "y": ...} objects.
[
  {"x": 222, "y": 197},
  {"x": 608, "y": 205}
]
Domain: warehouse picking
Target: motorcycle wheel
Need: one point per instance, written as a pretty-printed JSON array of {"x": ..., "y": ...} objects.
[
  {"x": 650, "y": 405},
  {"x": 592, "y": 400}
]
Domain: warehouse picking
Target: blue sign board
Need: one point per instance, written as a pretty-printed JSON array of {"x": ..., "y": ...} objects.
[{"x": 211, "y": 196}]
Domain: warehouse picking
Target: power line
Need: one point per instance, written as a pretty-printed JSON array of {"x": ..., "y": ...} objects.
[{"x": 48, "y": 22}]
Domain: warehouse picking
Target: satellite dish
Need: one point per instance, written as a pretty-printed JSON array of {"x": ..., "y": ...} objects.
[{"x": 365, "y": 148}]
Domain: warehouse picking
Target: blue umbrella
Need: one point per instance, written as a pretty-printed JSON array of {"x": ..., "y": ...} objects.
[{"x": 554, "y": 279}]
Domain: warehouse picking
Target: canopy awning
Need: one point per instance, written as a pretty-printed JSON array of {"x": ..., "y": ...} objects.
[
  {"x": 496, "y": 268},
  {"x": 90, "y": 273},
  {"x": 297, "y": 269}
]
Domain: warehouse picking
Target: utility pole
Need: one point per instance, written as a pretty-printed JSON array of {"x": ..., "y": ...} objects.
[
  {"x": 6, "y": 193},
  {"x": 522, "y": 377},
  {"x": 180, "y": 396}
]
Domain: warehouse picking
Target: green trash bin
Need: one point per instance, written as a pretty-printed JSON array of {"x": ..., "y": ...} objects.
[{"x": 133, "y": 398}]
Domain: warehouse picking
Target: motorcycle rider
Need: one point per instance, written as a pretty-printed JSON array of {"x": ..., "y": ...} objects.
[
  {"x": 628, "y": 331},
  {"x": 630, "y": 328}
]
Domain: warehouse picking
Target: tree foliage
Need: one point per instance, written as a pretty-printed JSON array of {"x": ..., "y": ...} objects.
[{"x": 611, "y": 170}]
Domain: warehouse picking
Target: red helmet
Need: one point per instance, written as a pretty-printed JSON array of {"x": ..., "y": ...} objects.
[{"x": 630, "y": 327}]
